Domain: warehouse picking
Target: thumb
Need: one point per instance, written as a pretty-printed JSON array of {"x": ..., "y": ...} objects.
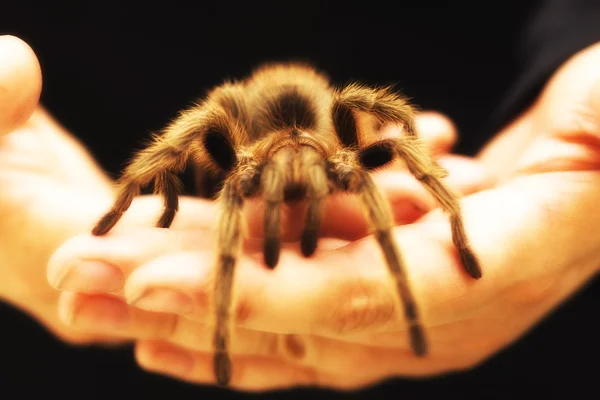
[
  {"x": 568, "y": 109},
  {"x": 20, "y": 83},
  {"x": 566, "y": 118},
  {"x": 571, "y": 100}
]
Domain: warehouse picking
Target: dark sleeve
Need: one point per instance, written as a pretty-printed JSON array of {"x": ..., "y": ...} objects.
[{"x": 555, "y": 32}]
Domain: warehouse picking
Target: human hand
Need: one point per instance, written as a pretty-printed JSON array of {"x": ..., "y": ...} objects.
[
  {"x": 128, "y": 245},
  {"x": 333, "y": 320},
  {"x": 51, "y": 190},
  {"x": 47, "y": 182}
]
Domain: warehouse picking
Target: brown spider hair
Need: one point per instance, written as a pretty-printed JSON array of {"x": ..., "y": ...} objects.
[{"x": 285, "y": 134}]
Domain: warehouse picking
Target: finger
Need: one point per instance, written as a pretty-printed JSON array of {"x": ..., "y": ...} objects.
[
  {"x": 249, "y": 373},
  {"x": 134, "y": 235},
  {"x": 134, "y": 241},
  {"x": 331, "y": 355},
  {"x": 465, "y": 174},
  {"x": 333, "y": 294},
  {"x": 338, "y": 299},
  {"x": 20, "y": 82},
  {"x": 104, "y": 314},
  {"x": 437, "y": 131},
  {"x": 68, "y": 306},
  {"x": 337, "y": 292},
  {"x": 408, "y": 198},
  {"x": 93, "y": 314},
  {"x": 330, "y": 293},
  {"x": 327, "y": 292},
  {"x": 567, "y": 117},
  {"x": 410, "y": 201},
  {"x": 258, "y": 373},
  {"x": 153, "y": 318},
  {"x": 343, "y": 213},
  {"x": 108, "y": 315},
  {"x": 568, "y": 109}
]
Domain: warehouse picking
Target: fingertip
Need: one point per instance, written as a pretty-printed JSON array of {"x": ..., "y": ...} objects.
[
  {"x": 158, "y": 356},
  {"x": 466, "y": 175},
  {"x": 437, "y": 131},
  {"x": 58, "y": 264},
  {"x": 20, "y": 82},
  {"x": 67, "y": 304}
]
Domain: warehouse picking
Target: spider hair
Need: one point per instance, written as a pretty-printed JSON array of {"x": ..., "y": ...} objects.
[{"x": 285, "y": 133}]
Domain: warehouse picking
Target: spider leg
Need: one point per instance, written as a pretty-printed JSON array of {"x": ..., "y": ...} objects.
[
  {"x": 429, "y": 173},
  {"x": 382, "y": 103},
  {"x": 378, "y": 212},
  {"x": 206, "y": 132},
  {"x": 230, "y": 237},
  {"x": 162, "y": 155},
  {"x": 273, "y": 180},
  {"x": 317, "y": 184},
  {"x": 169, "y": 186},
  {"x": 388, "y": 106}
]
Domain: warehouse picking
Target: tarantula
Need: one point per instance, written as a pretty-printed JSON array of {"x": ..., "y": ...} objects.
[{"x": 285, "y": 133}]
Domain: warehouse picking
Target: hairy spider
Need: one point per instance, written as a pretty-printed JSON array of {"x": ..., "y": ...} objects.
[{"x": 285, "y": 133}]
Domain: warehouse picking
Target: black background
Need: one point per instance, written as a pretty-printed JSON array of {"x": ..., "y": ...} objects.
[{"x": 112, "y": 74}]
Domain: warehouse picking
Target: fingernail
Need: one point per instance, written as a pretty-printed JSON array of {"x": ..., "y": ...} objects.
[
  {"x": 100, "y": 314},
  {"x": 171, "y": 360},
  {"x": 163, "y": 300},
  {"x": 91, "y": 276}
]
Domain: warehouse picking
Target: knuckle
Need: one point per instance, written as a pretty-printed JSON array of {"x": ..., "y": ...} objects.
[
  {"x": 243, "y": 310},
  {"x": 187, "y": 334},
  {"x": 268, "y": 344},
  {"x": 171, "y": 327},
  {"x": 357, "y": 305},
  {"x": 291, "y": 347},
  {"x": 531, "y": 293},
  {"x": 306, "y": 377},
  {"x": 203, "y": 289}
]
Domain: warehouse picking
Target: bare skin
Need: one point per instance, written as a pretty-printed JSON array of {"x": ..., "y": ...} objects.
[
  {"x": 53, "y": 190},
  {"x": 546, "y": 169}
]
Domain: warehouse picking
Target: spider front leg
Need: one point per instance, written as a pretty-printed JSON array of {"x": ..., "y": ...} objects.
[{"x": 378, "y": 212}]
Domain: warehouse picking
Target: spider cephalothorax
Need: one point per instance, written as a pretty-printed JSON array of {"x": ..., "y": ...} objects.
[{"x": 285, "y": 134}]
